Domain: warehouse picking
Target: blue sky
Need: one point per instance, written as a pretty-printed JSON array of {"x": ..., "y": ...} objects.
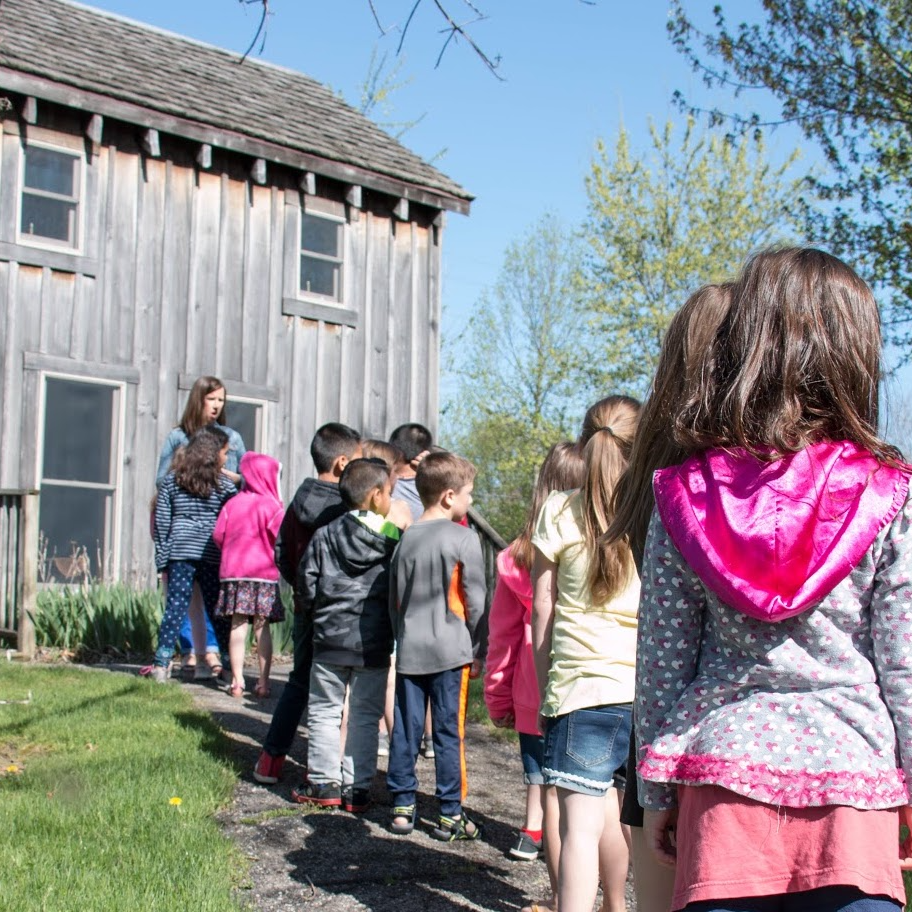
[{"x": 572, "y": 72}]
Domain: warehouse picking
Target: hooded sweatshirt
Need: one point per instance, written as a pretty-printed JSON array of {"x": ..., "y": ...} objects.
[
  {"x": 248, "y": 524},
  {"x": 343, "y": 586},
  {"x": 510, "y": 685},
  {"x": 774, "y": 654},
  {"x": 316, "y": 503}
]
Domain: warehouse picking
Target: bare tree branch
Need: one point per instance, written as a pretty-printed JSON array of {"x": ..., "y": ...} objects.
[{"x": 261, "y": 28}]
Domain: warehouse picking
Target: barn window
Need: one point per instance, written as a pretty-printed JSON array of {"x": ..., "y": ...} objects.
[
  {"x": 247, "y": 417},
  {"x": 321, "y": 255},
  {"x": 51, "y": 191},
  {"x": 78, "y": 478}
]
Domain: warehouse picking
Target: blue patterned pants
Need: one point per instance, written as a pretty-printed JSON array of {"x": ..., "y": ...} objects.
[{"x": 181, "y": 576}]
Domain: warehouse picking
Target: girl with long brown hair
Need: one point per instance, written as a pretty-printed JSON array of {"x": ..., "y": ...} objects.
[
  {"x": 186, "y": 511},
  {"x": 205, "y": 408},
  {"x": 584, "y": 621},
  {"x": 773, "y": 671},
  {"x": 684, "y": 361}
]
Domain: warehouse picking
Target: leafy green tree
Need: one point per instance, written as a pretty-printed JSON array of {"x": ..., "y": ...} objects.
[
  {"x": 664, "y": 223},
  {"x": 515, "y": 369},
  {"x": 842, "y": 71}
]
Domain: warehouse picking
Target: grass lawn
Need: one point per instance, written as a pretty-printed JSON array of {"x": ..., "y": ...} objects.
[{"x": 108, "y": 785}]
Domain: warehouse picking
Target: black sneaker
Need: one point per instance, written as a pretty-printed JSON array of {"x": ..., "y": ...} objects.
[
  {"x": 526, "y": 848},
  {"x": 453, "y": 829},
  {"x": 355, "y": 801},
  {"x": 326, "y": 795}
]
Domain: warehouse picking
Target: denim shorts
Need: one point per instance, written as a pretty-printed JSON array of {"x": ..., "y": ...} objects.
[
  {"x": 532, "y": 749},
  {"x": 586, "y": 749}
]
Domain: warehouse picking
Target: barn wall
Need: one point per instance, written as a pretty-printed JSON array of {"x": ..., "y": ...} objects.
[{"x": 185, "y": 272}]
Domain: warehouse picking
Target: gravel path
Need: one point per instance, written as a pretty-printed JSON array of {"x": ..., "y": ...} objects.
[{"x": 331, "y": 861}]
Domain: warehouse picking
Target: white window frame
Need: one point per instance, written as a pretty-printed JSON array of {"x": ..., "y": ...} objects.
[
  {"x": 112, "y": 534},
  {"x": 33, "y": 240},
  {"x": 323, "y": 209}
]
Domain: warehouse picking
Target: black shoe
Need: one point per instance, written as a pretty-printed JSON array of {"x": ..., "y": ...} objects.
[
  {"x": 327, "y": 795},
  {"x": 526, "y": 848},
  {"x": 355, "y": 801}
]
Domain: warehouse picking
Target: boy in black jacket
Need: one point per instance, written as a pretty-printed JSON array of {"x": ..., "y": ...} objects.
[
  {"x": 343, "y": 589},
  {"x": 316, "y": 503}
]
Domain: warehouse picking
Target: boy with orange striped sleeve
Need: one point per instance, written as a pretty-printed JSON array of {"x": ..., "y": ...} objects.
[{"x": 437, "y": 598}]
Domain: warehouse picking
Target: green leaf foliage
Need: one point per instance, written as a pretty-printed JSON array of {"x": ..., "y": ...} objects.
[
  {"x": 841, "y": 70},
  {"x": 660, "y": 225}
]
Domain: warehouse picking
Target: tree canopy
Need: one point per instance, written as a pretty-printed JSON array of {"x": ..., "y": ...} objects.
[
  {"x": 687, "y": 212},
  {"x": 842, "y": 71}
]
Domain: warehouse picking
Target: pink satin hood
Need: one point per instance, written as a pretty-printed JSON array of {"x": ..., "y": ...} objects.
[{"x": 771, "y": 539}]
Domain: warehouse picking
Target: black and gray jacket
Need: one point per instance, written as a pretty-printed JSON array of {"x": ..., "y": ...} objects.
[{"x": 343, "y": 585}]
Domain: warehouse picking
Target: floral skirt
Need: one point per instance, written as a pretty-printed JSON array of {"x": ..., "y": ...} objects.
[{"x": 251, "y": 597}]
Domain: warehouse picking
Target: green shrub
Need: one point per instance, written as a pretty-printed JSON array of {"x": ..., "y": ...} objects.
[{"x": 98, "y": 616}]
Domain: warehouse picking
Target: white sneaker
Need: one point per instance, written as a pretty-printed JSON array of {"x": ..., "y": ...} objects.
[{"x": 159, "y": 674}]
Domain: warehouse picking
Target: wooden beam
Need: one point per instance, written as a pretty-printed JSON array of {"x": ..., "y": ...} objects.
[
  {"x": 353, "y": 199},
  {"x": 439, "y": 219},
  {"x": 225, "y": 138},
  {"x": 150, "y": 143},
  {"x": 30, "y": 109},
  {"x": 204, "y": 156},
  {"x": 94, "y": 128},
  {"x": 258, "y": 171},
  {"x": 400, "y": 210},
  {"x": 308, "y": 183}
]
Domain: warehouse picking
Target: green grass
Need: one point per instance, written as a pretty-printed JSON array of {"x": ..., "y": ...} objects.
[
  {"x": 88, "y": 771},
  {"x": 477, "y": 711}
]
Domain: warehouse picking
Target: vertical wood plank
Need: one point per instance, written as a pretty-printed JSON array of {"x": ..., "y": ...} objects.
[
  {"x": 28, "y": 565},
  {"x": 11, "y": 372},
  {"x": 204, "y": 262},
  {"x": 9, "y": 182},
  {"x": 434, "y": 319}
]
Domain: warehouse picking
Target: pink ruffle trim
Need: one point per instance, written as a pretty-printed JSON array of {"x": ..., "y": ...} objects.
[{"x": 793, "y": 788}]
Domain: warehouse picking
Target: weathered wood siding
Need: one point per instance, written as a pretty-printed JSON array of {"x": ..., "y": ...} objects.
[{"x": 184, "y": 272}]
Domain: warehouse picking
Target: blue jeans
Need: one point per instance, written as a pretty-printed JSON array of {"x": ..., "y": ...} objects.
[
  {"x": 185, "y": 637},
  {"x": 447, "y": 692},
  {"x": 291, "y": 706},
  {"x": 586, "y": 749},
  {"x": 366, "y": 699},
  {"x": 181, "y": 577}
]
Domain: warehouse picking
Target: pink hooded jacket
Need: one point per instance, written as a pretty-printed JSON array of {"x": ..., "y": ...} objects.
[
  {"x": 775, "y": 621},
  {"x": 248, "y": 524},
  {"x": 510, "y": 685}
]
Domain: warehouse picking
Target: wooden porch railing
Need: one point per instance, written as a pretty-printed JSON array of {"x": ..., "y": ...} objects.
[
  {"x": 18, "y": 568},
  {"x": 491, "y": 544}
]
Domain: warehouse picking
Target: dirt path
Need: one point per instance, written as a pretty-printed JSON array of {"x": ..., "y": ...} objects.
[{"x": 337, "y": 862}]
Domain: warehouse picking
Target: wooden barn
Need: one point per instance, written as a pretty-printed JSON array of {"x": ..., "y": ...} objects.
[{"x": 168, "y": 211}]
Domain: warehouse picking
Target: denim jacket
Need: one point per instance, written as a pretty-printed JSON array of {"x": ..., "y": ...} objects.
[{"x": 177, "y": 438}]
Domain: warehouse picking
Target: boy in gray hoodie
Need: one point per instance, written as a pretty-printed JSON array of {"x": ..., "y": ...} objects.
[
  {"x": 437, "y": 598},
  {"x": 343, "y": 590}
]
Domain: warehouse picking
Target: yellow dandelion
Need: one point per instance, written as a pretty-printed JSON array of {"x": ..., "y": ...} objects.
[
  {"x": 175, "y": 801},
  {"x": 12, "y": 768}
]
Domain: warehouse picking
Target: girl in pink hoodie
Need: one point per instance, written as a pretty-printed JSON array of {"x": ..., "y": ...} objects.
[
  {"x": 511, "y": 688},
  {"x": 246, "y": 532},
  {"x": 774, "y": 671}
]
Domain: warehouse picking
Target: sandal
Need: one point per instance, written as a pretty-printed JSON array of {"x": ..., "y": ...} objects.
[
  {"x": 262, "y": 691},
  {"x": 214, "y": 661},
  {"x": 188, "y": 665},
  {"x": 453, "y": 829},
  {"x": 404, "y": 812}
]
